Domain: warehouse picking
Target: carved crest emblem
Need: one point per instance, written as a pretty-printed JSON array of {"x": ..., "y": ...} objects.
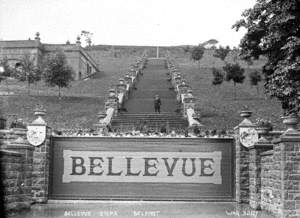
[
  {"x": 36, "y": 134},
  {"x": 248, "y": 136}
]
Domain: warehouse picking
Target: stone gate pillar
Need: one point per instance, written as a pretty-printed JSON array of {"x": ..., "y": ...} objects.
[
  {"x": 287, "y": 155},
  {"x": 41, "y": 162},
  {"x": 242, "y": 160}
]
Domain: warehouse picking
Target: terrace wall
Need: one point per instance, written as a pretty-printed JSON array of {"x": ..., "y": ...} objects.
[
  {"x": 270, "y": 182},
  {"x": 269, "y": 178},
  {"x": 267, "y": 174},
  {"x": 16, "y": 169}
]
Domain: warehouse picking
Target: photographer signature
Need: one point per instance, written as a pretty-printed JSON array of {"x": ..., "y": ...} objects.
[{"x": 250, "y": 213}]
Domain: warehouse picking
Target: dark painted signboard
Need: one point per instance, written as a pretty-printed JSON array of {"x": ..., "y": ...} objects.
[{"x": 141, "y": 168}]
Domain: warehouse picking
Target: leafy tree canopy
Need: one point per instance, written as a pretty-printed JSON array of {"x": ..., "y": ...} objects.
[
  {"x": 186, "y": 48},
  {"x": 255, "y": 78},
  {"x": 88, "y": 37},
  {"x": 234, "y": 72},
  {"x": 210, "y": 43},
  {"x": 197, "y": 53},
  {"x": 218, "y": 77},
  {"x": 221, "y": 52},
  {"x": 56, "y": 71},
  {"x": 273, "y": 31},
  {"x": 29, "y": 71}
]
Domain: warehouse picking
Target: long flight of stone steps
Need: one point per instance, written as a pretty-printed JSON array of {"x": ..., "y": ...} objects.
[
  {"x": 151, "y": 120},
  {"x": 139, "y": 106}
]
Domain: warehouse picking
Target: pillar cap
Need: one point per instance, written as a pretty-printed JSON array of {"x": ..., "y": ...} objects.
[
  {"x": 78, "y": 42},
  {"x": 39, "y": 112},
  {"x": 245, "y": 113},
  {"x": 101, "y": 114},
  {"x": 37, "y": 36},
  {"x": 112, "y": 90},
  {"x": 291, "y": 121}
]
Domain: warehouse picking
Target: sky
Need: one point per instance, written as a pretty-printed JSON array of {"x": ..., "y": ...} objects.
[{"x": 124, "y": 22}]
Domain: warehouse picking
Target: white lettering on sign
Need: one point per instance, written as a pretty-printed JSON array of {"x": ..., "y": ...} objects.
[{"x": 153, "y": 167}]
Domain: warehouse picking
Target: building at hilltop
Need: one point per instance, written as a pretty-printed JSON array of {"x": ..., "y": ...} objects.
[{"x": 81, "y": 62}]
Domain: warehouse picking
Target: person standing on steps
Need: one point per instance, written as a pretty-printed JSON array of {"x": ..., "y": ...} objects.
[{"x": 157, "y": 103}]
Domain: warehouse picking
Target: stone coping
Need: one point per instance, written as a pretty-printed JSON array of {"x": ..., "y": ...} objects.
[
  {"x": 227, "y": 139},
  {"x": 267, "y": 153},
  {"x": 258, "y": 145},
  {"x": 287, "y": 138},
  {"x": 13, "y": 130},
  {"x": 9, "y": 152},
  {"x": 17, "y": 146}
]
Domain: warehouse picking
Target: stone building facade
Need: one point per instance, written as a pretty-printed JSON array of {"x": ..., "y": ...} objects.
[{"x": 81, "y": 62}]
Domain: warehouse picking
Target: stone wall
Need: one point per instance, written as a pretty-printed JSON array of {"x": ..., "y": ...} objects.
[
  {"x": 270, "y": 181},
  {"x": 16, "y": 166},
  {"x": 13, "y": 180},
  {"x": 267, "y": 174},
  {"x": 274, "y": 176},
  {"x": 79, "y": 64},
  {"x": 268, "y": 171},
  {"x": 25, "y": 169},
  {"x": 14, "y": 51},
  {"x": 76, "y": 56},
  {"x": 290, "y": 174}
]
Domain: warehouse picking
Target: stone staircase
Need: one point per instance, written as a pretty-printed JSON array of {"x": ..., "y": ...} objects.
[
  {"x": 139, "y": 107},
  {"x": 151, "y": 120}
]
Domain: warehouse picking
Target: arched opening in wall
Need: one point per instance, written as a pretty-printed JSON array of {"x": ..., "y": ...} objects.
[
  {"x": 18, "y": 66},
  {"x": 88, "y": 69}
]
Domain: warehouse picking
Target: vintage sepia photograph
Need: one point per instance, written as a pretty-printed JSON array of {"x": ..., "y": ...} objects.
[{"x": 150, "y": 108}]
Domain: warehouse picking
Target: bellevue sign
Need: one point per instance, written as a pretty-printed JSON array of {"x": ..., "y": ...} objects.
[{"x": 141, "y": 167}]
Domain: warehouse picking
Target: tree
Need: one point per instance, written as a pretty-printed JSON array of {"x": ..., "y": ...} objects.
[
  {"x": 210, "y": 43},
  {"x": 249, "y": 63},
  {"x": 273, "y": 31},
  {"x": 88, "y": 37},
  {"x": 221, "y": 52},
  {"x": 57, "y": 72},
  {"x": 234, "y": 73},
  {"x": 6, "y": 71},
  {"x": 28, "y": 71},
  {"x": 218, "y": 76},
  {"x": 255, "y": 78},
  {"x": 186, "y": 48},
  {"x": 197, "y": 54}
]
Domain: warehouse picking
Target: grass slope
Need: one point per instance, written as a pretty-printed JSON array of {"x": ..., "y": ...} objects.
[
  {"x": 82, "y": 101},
  {"x": 69, "y": 112},
  {"x": 217, "y": 105}
]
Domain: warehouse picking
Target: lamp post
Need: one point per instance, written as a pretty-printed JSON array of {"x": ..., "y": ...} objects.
[
  {"x": 157, "y": 48},
  {"x": 2, "y": 119}
]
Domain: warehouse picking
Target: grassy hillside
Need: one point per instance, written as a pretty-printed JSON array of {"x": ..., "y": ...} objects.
[
  {"x": 217, "y": 105},
  {"x": 69, "y": 112},
  {"x": 82, "y": 101}
]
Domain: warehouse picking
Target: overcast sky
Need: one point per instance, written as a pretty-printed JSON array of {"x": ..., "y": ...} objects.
[{"x": 124, "y": 22}]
